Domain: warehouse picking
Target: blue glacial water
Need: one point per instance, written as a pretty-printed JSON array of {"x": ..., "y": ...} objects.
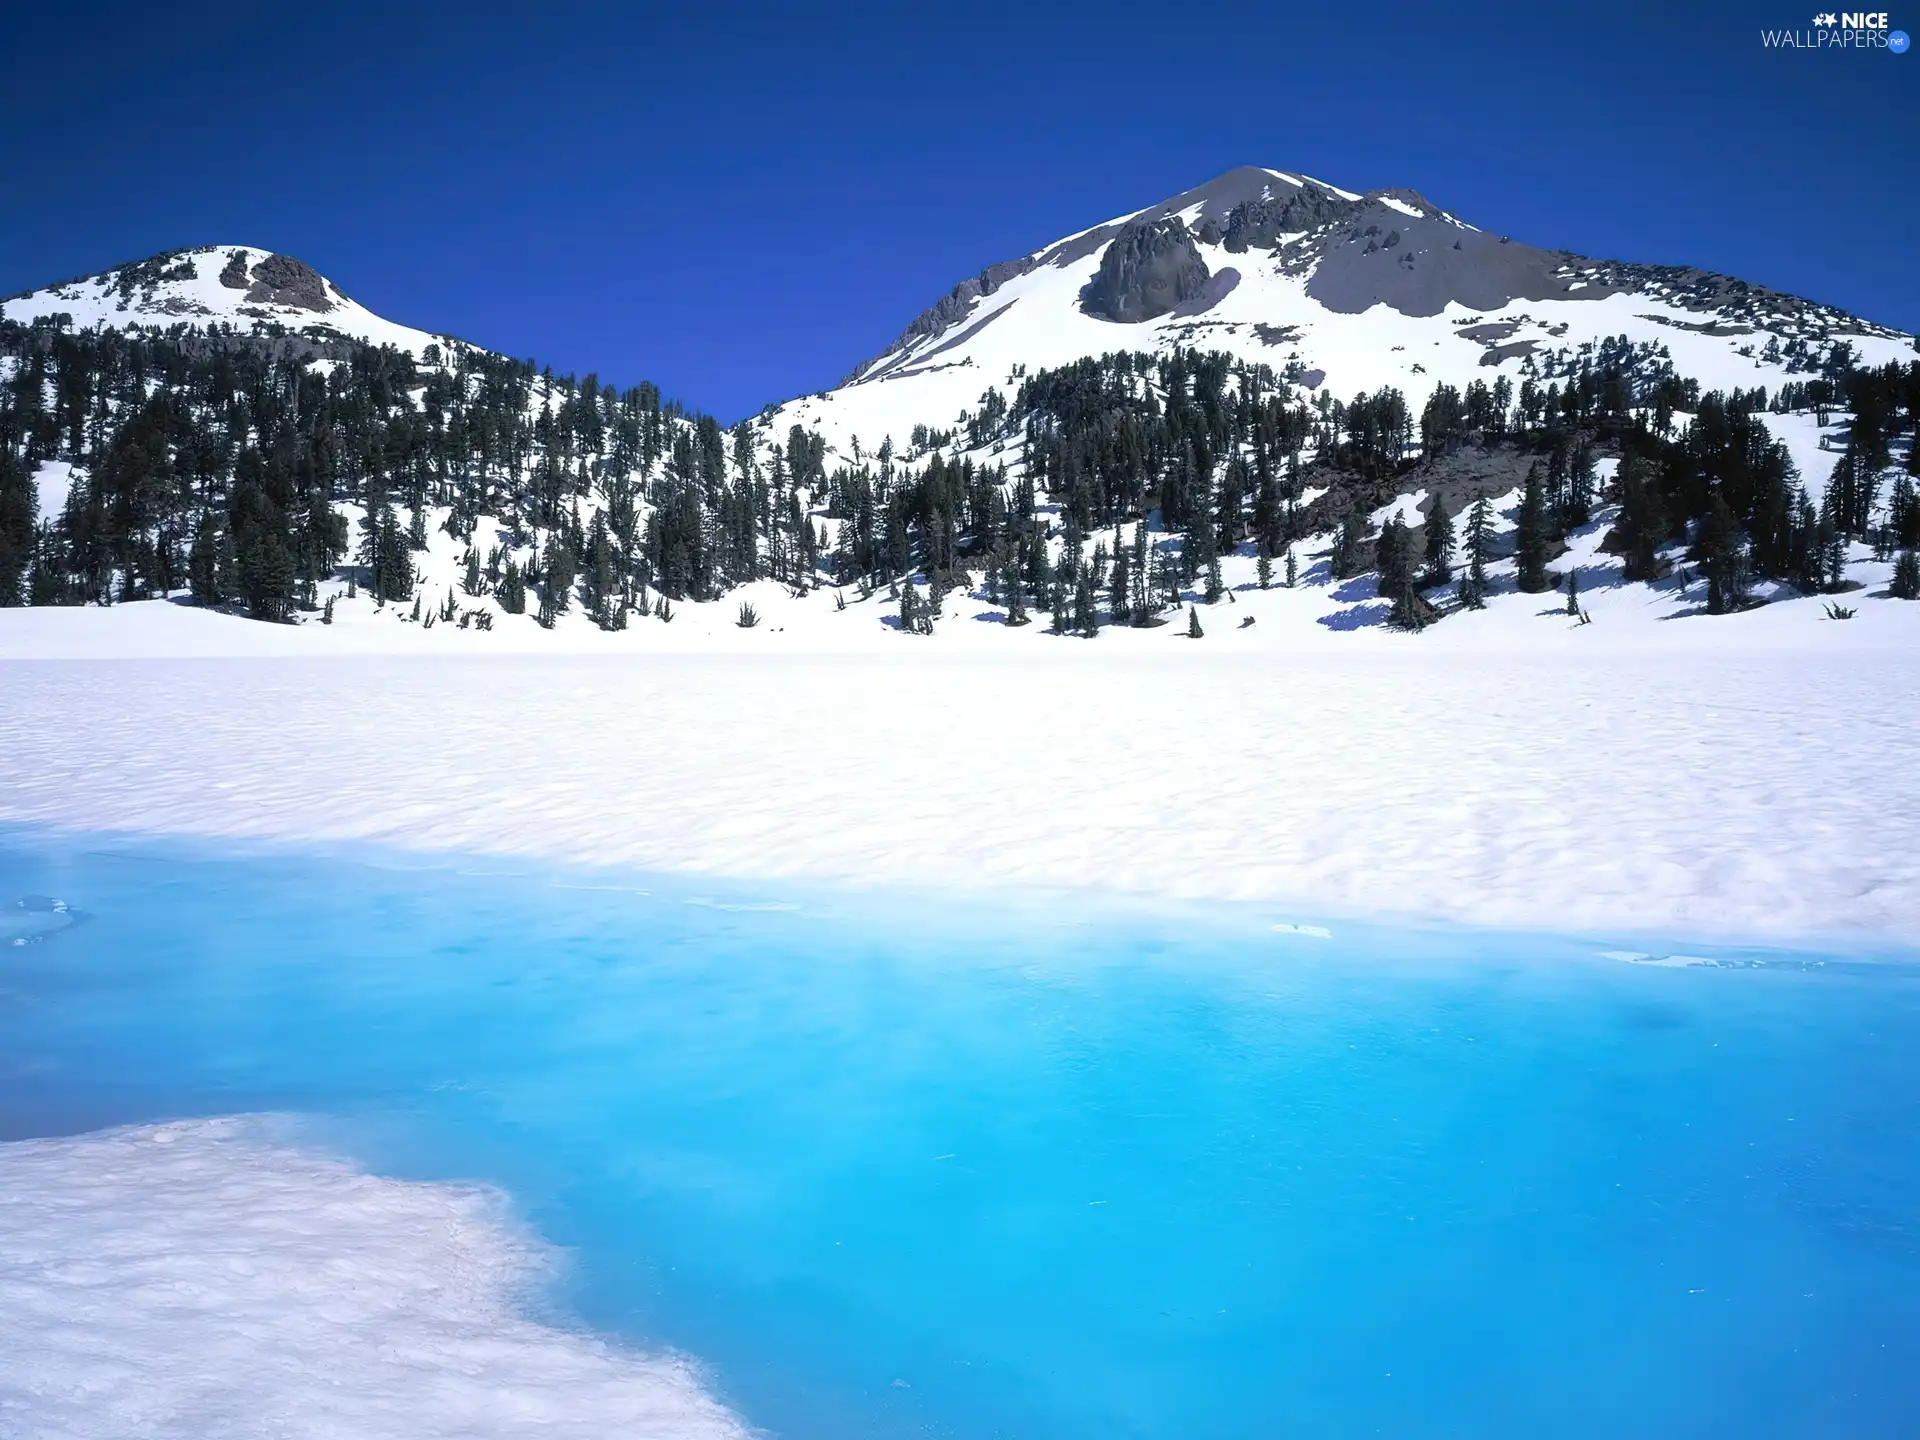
[{"x": 967, "y": 1168}]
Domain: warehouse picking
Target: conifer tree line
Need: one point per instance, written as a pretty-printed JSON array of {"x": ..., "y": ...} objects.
[
  {"x": 249, "y": 470},
  {"x": 221, "y": 464}
]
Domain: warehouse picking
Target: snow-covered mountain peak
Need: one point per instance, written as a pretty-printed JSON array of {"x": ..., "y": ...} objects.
[
  {"x": 1331, "y": 288},
  {"x": 247, "y": 287}
]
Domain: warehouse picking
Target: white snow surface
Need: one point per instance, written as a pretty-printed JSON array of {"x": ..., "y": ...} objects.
[
  {"x": 53, "y": 480},
  {"x": 209, "y": 1280},
  {"x": 1749, "y": 776}
]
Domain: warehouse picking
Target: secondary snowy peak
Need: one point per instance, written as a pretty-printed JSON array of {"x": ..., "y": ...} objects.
[{"x": 247, "y": 287}]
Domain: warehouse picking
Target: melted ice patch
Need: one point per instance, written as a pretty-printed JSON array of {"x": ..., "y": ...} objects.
[
  {"x": 744, "y": 907},
  {"x": 1700, "y": 962},
  {"x": 33, "y": 918},
  {"x": 1311, "y": 932},
  {"x": 205, "y": 1280}
]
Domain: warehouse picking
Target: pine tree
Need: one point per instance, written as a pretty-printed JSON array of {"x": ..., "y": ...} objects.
[
  {"x": 1194, "y": 632},
  {"x": 1293, "y": 568},
  {"x": 393, "y": 576},
  {"x": 1723, "y": 556},
  {"x": 1016, "y": 594},
  {"x": 1906, "y": 576},
  {"x": 19, "y": 506},
  {"x": 1141, "y": 604},
  {"x": 1642, "y": 527},
  {"x": 266, "y": 573},
  {"x": 1903, "y": 514},
  {"x": 1479, "y": 544},
  {"x": 1439, "y": 544},
  {"x": 1400, "y": 553},
  {"x": 556, "y": 588},
  {"x": 1530, "y": 537},
  {"x": 1389, "y": 557},
  {"x": 1060, "y": 597},
  {"x": 1579, "y": 507},
  {"x": 1349, "y": 546},
  {"x": 511, "y": 591},
  {"x": 909, "y": 609},
  {"x": 1086, "y": 611},
  {"x": 203, "y": 562},
  {"x": 1120, "y": 587},
  {"x": 1198, "y": 554},
  {"x": 1573, "y": 593},
  {"x": 1830, "y": 546}
]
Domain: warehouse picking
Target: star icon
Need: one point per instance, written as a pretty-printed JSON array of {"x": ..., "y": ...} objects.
[{"x": 1826, "y": 21}]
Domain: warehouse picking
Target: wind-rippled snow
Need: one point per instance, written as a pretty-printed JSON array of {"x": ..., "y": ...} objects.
[{"x": 1717, "y": 790}]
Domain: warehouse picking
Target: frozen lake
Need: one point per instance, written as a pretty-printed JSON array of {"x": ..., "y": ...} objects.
[{"x": 888, "y": 1165}]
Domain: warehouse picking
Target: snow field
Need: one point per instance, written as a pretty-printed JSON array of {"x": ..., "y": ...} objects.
[
  {"x": 1748, "y": 777},
  {"x": 207, "y": 1279}
]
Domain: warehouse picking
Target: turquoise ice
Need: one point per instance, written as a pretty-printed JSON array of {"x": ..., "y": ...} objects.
[{"x": 901, "y": 1167}]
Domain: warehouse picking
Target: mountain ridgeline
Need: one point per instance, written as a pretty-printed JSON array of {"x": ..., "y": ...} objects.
[{"x": 225, "y": 425}]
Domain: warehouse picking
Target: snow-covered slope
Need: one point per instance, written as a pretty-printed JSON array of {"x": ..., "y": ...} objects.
[
  {"x": 1331, "y": 289},
  {"x": 1336, "y": 291},
  {"x": 246, "y": 287}
]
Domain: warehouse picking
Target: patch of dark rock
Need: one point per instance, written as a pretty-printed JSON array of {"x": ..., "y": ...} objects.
[
  {"x": 1494, "y": 354},
  {"x": 283, "y": 280},
  {"x": 1700, "y": 327},
  {"x": 1461, "y": 476},
  {"x": 1276, "y": 334},
  {"x": 1261, "y": 223},
  {"x": 951, "y": 308},
  {"x": 234, "y": 275},
  {"x": 968, "y": 333},
  {"x": 1358, "y": 268},
  {"x": 1149, "y": 270}
]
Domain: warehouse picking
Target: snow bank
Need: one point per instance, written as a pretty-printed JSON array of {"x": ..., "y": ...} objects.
[
  {"x": 200, "y": 1280},
  {"x": 1757, "y": 777}
]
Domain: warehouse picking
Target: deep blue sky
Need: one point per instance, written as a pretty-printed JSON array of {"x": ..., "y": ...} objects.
[{"x": 742, "y": 201}]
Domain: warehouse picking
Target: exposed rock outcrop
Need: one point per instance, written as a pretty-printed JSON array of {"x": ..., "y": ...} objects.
[
  {"x": 1148, "y": 271},
  {"x": 1262, "y": 222},
  {"x": 950, "y": 308},
  {"x": 283, "y": 280}
]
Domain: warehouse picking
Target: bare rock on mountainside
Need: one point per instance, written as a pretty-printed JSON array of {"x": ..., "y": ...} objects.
[
  {"x": 1262, "y": 222},
  {"x": 1149, "y": 270},
  {"x": 283, "y": 280}
]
